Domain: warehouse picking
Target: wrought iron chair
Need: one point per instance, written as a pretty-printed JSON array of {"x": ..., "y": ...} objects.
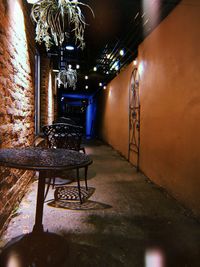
[
  {"x": 62, "y": 135},
  {"x": 71, "y": 122}
]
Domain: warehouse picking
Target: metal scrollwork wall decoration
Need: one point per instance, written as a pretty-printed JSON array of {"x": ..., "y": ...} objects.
[{"x": 134, "y": 119}]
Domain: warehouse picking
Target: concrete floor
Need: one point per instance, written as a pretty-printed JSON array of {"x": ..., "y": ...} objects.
[{"x": 127, "y": 222}]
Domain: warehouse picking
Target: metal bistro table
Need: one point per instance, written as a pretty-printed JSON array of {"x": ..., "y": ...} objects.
[{"x": 42, "y": 160}]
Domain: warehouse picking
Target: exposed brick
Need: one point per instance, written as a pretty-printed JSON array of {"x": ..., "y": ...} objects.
[
  {"x": 46, "y": 117},
  {"x": 16, "y": 100}
]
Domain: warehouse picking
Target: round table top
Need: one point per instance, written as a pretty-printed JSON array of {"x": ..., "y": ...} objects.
[{"x": 36, "y": 158}]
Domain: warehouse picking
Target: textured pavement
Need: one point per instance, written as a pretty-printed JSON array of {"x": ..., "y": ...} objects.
[{"x": 127, "y": 221}]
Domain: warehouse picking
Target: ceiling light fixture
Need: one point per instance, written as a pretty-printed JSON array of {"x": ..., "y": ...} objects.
[
  {"x": 122, "y": 52},
  {"x": 116, "y": 65},
  {"x": 86, "y": 87},
  {"x": 95, "y": 69},
  {"x": 69, "y": 48},
  {"x": 86, "y": 77},
  {"x": 77, "y": 67}
]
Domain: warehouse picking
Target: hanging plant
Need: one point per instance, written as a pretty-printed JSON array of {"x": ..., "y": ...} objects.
[
  {"x": 55, "y": 18},
  {"x": 67, "y": 78}
]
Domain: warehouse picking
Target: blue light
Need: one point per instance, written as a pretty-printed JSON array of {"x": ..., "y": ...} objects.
[
  {"x": 90, "y": 111},
  {"x": 90, "y": 119},
  {"x": 75, "y": 96}
]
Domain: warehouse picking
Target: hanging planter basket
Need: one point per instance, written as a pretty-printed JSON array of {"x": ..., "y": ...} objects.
[
  {"x": 67, "y": 77},
  {"x": 55, "y": 19}
]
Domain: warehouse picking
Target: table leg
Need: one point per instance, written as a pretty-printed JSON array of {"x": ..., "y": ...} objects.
[
  {"x": 38, "y": 227},
  {"x": 86, "y": 170},
  {"x": 79, "y": 187}
]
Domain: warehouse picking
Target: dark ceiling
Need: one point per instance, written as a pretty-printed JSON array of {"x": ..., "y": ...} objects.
[{"x": 118, "y": 24}]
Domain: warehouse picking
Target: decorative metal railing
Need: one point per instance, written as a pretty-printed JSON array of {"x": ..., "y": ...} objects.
[{"x": 134, "y": 119}]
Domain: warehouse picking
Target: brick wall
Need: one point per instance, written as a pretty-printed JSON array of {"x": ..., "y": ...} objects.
[
  {"x": 16, "y": 97},
  {"x": 47, "y": 92}
]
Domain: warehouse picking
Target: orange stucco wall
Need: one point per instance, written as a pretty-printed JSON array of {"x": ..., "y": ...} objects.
[
  {"x": 169, "y": 64},
  {"x": 170, "y": 104},
  {"x": 114, "y": 112}
]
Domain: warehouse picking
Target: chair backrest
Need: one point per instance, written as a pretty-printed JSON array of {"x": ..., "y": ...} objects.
[{"x": 62, "y": 135}]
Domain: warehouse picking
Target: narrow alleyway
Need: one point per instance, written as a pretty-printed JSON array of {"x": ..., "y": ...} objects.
[{"x": 128, "y": 221}]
